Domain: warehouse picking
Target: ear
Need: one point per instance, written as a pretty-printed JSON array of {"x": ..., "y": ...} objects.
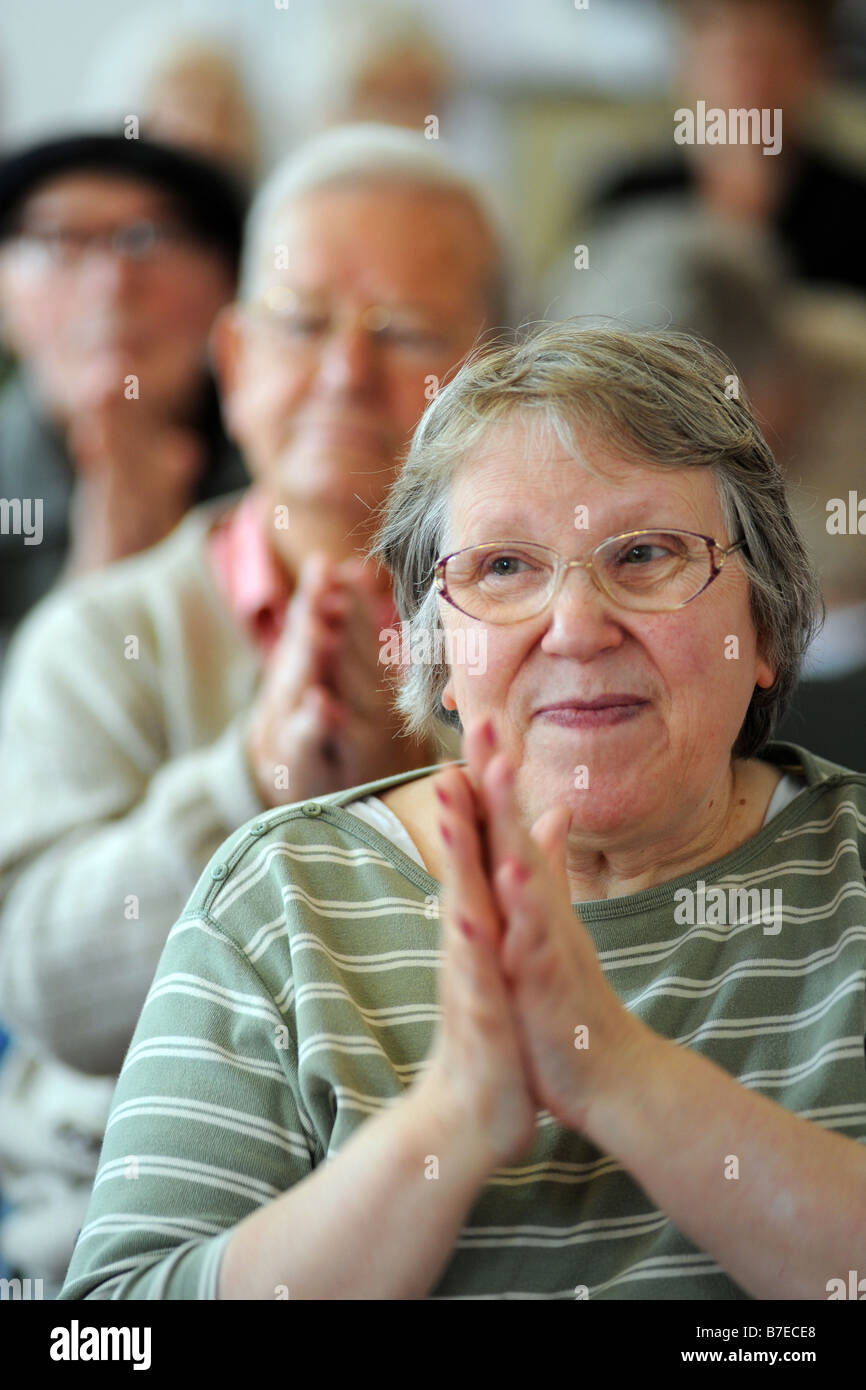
[
  {"x": 225, "y": 345},
  {"x": 765, "y": 672},
  {"x": 448, "y": 701}
]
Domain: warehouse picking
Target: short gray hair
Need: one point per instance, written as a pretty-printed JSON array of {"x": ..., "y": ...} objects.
[
  {"x": 660, "y": 396},
  {"x": 371, "y": 152}
]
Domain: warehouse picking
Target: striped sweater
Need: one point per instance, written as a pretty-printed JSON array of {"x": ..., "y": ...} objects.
[{"x": 297, "y": 995}]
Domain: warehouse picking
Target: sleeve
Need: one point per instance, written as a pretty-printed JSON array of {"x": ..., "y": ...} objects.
[
  {"x": 206, "y": 1126},
  {"x": 102, "y": 837}
]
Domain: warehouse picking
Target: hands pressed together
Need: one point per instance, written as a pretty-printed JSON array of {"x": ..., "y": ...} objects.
[
  {"x": 325, "y": 710},
  {"x": 528, "y": 1018},
  {"x": 135, "y": 479}
]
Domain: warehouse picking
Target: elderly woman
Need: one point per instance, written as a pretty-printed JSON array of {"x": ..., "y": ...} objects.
[{"x": 584, "y": 1015}]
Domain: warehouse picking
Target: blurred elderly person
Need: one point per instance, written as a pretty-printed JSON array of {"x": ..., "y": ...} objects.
[
  {"x": 772, "y": 58},
  {"x": 115, "y": 257},
  {"x": 236, "y": 666},
  {"x": 182, "y": 83},
  {"x": 598, "y": 1031}
]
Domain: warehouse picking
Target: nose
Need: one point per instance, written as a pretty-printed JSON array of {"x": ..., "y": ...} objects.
[
  {"x": 582, "y": 620},
  {"x": 348, "y": 364},
  {"x": 109, "y": 274}
]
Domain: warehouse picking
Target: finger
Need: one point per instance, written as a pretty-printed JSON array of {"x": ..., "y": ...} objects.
[
  {"x": 318, "y": 716},
  {"x": 480, "y": 743},
  {"x": 302, "y": 658},
  {"x": 507, "y": 836},
  {"x": 468, "y": 893},
  {"x": 530, "y": 937},
  {"x": 310, "y": 632}
]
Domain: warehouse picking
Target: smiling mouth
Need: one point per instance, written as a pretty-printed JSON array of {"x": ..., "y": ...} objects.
[{"x": 604, "y": 711}]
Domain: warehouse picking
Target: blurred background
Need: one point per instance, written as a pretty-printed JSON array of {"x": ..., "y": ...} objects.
[{"x": 543, "y": 97}]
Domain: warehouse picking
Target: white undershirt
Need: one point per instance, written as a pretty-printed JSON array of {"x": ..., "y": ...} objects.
[{"x": 374, "y": 811}]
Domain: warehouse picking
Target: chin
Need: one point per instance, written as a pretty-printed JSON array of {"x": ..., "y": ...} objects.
[
  {"x": 336, "y": 475},
  {"x": 602, "y": 800}
]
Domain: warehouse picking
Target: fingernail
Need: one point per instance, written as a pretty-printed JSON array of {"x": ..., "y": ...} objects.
[
  {"x": 520, "y": 871},
  {"x": 467, "y": 929},
  {"x": 442, "y": 797},
  {"x": 489, "y": 733},
  {"x": 445, "y": 833}
]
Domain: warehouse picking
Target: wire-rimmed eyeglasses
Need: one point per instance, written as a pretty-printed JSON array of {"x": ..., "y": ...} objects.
[{"x": 652, "y": 571}]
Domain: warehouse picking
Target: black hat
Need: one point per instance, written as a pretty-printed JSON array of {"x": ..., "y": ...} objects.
[{"x": 209, "y": 200}]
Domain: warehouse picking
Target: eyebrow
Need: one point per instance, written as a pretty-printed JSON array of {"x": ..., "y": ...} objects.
[
  {"x": 514, "y": 526},
  {"x": 323, "y": 298}
]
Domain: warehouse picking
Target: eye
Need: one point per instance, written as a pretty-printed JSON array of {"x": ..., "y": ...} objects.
[
  {"x": 302, "y": 324},
  {"x": 643, "y": 553},
  {"x": 415, "y": 339},
  {"x": 511, "y": 568},
  {"x": 503, "y": 566},
  {"x": 652, "y": 549}
]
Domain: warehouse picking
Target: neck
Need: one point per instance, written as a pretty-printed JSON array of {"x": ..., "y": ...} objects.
[{"x": 731, "y": 812}]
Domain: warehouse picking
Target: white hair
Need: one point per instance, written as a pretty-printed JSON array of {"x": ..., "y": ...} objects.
[
  {"x": 348, "y": 40},
  {"x": 373, "y": 153}
]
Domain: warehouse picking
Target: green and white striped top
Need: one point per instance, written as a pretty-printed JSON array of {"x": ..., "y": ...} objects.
[{"x": 297, "y": 995}]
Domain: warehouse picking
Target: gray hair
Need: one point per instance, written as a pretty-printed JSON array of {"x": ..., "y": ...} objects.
[
  {"x": 371, "y": 153},
  {"x": 660, "y": 396}
]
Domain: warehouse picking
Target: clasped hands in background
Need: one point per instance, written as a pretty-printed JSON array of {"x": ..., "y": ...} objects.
[
  {"x": 521, "y": 979},
  {"x": 324, "y": 712}
]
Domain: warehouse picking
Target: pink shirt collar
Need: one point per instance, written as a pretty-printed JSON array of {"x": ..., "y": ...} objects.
[{"x": 252, "y": 579}]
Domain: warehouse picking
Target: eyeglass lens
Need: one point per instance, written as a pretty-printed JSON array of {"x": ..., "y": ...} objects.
[{"x": 508, "y": 581}]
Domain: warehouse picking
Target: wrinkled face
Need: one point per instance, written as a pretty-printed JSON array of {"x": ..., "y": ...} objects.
[
  {"x": 368, "y": 295},
  {"x": 750, "y": 54},
  {"x": 83, "y": 316},
  {"x": 636, "y": 767}
]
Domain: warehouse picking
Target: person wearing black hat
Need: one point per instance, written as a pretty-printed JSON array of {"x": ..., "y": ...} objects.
[{"x": 115, "y": 256}]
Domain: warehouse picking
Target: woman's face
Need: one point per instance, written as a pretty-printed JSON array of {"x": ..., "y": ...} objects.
[{"x": 658, "y": 764}]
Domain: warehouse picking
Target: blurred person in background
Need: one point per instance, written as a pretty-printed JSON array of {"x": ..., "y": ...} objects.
[
  {"x": 800, "y": 354},
  {"x": 387, "y": 61},
  {"x": 184, "y": 84},
  {"x": 152, "y": 709},
  {"x": 381, "y": 63},
  {"x": 766, "y": 55},
  {"x": 115, "y": 257}
]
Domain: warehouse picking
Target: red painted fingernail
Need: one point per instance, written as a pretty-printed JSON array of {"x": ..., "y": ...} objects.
[
  {"x": 490, "y": 733},
  {"x": 446, "y": 834},
  {"x": 521, "y": 872},
  {"x": 442, "y": 797},
  {"x": 467, "y": 929}
]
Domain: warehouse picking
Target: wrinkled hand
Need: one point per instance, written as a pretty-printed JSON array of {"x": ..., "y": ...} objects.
[
  {"x": 475, "y": 1067},
  {"x": 324, "y": 718},
  {"x": 574, "y": 1032}
]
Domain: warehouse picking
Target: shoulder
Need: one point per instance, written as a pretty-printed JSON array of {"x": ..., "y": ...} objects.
[
  {"x": 815, "y": 770},
  {"x": 830, "y": 807},
  {"x": 626, "y": 183},
  {"x": 311, "y": 864},
  {"x": 126, "y": 598}
]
